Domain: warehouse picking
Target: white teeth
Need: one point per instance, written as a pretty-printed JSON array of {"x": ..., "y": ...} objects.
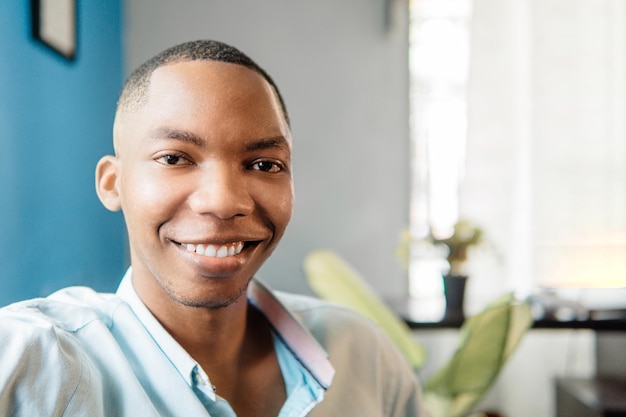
[
  {"x": 213, "y": 251},
  {"x": 222, "y": 252},
  {"x": 210, "y": 251}
]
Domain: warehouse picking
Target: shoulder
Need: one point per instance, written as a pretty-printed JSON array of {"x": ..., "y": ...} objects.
[
  {"x": 338, "y": 328},
  {"x": 325, "y": 319},
  {"x": 68, "y": 309},
  {"x": 320, "y": 316},
  {"x": 43, "y": 360},
  {"x": 48, "y": 326},
  {"x": 359, "y": 351},
  {"x": 42, "y": 323}
]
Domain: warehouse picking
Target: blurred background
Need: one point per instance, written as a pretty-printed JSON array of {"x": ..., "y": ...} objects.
[{"x": 407, "y": 115}]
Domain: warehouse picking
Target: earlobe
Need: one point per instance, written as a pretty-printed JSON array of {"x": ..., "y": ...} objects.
[{"x": 106, "y": 182}]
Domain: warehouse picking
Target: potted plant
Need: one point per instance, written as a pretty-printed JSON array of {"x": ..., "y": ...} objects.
[{"x": 465, "y": 235}]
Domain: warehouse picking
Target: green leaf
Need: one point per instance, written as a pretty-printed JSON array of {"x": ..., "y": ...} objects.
[
  {"x": 333, "y": 279},
  {"x": 486, "y": 341}
]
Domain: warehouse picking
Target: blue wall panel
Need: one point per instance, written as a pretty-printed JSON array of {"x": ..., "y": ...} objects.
[{"x": 55, "y": 123}]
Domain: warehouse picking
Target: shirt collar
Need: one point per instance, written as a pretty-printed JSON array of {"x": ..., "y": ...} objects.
[
  {"x": 298, "y": 340},
  {"x": 182, "y": 361}
]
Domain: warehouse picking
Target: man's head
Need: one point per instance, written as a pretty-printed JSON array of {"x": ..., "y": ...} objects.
[{"x": 202, "y": 173}]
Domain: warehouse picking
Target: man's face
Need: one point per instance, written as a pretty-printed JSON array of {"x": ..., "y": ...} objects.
[{"x": 204, "y": 181}]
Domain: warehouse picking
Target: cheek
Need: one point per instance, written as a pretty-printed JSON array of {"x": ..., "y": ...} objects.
[
  {"x": 280, "y": 208},
  {"x": 146, "y": 199}
]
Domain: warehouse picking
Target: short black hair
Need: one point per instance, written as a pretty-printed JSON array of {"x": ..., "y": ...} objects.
[{"x": 135, "y": 89}]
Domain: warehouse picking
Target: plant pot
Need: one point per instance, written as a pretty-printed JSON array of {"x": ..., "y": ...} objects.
[{"x": 454, "y": 292}]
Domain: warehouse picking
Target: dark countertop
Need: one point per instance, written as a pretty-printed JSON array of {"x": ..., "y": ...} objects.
[{"x": 599, "y": 320}]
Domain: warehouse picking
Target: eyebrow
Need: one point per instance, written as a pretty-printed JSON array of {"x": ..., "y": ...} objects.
[
  {"x": 268, "y": 143},
  {"x": 164, "y": 132}
]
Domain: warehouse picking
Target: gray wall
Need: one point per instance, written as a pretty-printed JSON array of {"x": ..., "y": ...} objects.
[{"x": 343, "y": 71}]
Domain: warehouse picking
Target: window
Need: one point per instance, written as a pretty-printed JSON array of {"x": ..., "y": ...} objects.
[
  {"x": 518, "y": 123},
  {"x": 439, "y": 63}
]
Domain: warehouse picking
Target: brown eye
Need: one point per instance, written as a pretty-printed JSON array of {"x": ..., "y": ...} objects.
[
  {"x": 267, "y": 166},
  {"x": 173, "y": 159}
]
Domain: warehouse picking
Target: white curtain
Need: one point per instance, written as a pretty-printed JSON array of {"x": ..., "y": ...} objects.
[{"x": 546, "y": 144}]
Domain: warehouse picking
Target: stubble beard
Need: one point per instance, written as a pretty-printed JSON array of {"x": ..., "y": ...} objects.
[{"x": 212, "y": 304}]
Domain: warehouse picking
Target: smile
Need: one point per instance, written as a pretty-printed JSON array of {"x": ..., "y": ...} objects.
[{"x": 215, "y": 251}]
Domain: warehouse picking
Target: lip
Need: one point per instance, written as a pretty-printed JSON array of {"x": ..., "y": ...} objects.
[{"x": 218, "y": 267}]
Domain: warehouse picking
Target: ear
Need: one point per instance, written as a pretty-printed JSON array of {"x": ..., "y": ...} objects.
[{"x": 107, "y": 172}]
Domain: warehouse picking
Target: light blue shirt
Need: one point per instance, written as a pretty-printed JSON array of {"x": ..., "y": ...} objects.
[
  {"x": 81, "y": 353},
  {"x": 303, "y": 392}
]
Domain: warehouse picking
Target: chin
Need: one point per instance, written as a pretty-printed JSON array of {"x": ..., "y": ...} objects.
[{"x": 217, "y": 298}]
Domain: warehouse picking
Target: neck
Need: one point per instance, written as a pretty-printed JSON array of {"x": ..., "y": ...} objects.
[
  {"x": 234, "y": 346},
  {"x": 207, "y": 333},
  {"x": 231, "y": 348}
]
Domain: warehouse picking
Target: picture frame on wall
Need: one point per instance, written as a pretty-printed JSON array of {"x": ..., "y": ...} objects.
[{"x": 54, "y": 24}]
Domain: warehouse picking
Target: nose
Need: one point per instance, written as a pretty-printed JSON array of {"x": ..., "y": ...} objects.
[{"x": 221, "y": 191}]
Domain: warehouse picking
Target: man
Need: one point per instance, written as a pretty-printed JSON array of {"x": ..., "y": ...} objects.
[{"x": 202, "y": 173}]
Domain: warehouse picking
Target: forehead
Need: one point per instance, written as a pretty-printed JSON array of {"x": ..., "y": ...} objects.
[
  {"x": 211, "y": 85},
  {"x": 211, "y": 99}
]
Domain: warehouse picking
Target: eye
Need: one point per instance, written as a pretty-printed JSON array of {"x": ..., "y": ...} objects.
[
  {"x": 173, "y": 159},
  {"x": 267, "y": 166}
]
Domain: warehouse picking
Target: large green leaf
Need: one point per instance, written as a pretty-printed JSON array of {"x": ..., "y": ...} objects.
[
  {"x": 486, "y": 342},
  {"x": 333, "y": 279}
]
